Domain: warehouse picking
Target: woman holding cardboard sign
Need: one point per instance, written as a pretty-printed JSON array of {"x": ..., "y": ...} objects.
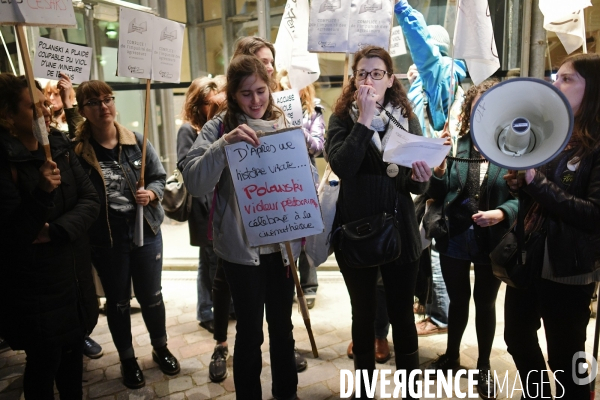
[
  {"x": 358, "y": 131},
  {"x": 257, "y": 276}
]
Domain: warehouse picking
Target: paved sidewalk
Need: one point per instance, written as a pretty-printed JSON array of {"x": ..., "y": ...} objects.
[{"x": 193, "y": 345}]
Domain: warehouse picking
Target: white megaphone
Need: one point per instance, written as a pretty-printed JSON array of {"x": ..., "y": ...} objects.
[{"x": 521, "y": 123}]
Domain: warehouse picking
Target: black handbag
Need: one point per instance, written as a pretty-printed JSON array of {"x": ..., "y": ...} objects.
[
  {"x": 370, "y": 241},
  {"x": 517, "y": 259}
]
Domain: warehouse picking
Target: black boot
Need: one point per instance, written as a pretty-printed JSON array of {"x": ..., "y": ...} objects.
[
  {"x": 409, "y": 363},
  {"x": 362, "y": 362}
]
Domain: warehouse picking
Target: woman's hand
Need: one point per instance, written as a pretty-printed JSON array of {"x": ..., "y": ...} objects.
[
  {"x": 144, "y": 197},
  {"x": 488, "y": 218},
  {"x": 242, "y": 133},
  {"x": 49, "y": 177},
  {"x": 515, "y": 181},
  {"x": 366, "y": 103},
  {"x": 44, "y": 235},
  {"x": 420, "y": 171},
  {"x": 65, "y": 87}
]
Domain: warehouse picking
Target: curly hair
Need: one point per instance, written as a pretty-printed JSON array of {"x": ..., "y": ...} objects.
[
  {"x": 395, "y": 95},
  {"x": 241, "y": 68},
  {"x": 86, "y": 91},
  {"x": 465, "y": 113},
  {"x": 11, "y": 87},
  {"x": 197, "y": 96},
  {"x": 248, "y": 46},
  {"x": 587, "y": 119}
]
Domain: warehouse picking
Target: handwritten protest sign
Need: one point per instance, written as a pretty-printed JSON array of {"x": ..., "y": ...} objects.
[
  {"x": 135, "y": 44},
  {"x": 370, "y": 24},
  {"x": 167, "y": 45},
  {"x": 37, "y": 13},
  {"x": 328, "y": 26},
  {"x": 289, "y": 102},
  {"x": 397, "y": 45},
  {"x": 275, "y": 189},
  {"x": 52, "y": 57}
]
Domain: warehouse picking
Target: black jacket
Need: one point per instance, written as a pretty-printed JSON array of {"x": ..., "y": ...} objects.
[
  {"x": 40, "y": 301},
  {"x": 366, "y": 189},
  {"x": 573, "y": 213},
  {"x": 198, "y": 221}
]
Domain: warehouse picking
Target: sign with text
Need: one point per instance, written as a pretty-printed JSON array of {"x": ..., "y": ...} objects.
[
  {"x": 397, "y": 44},
  {"x": 370, "y": 24},
  {"x": 328, "y": 26},
  {"x": 275, "y": 189},
  {"x": 135, "y": 44},
  {"x": 167, "y": 48},
  {"x": 289, "y": 102},
  {"x": 37, "y": 13},
  {"x": 52, "y": 57}
]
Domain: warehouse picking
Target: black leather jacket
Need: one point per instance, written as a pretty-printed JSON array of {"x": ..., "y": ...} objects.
[{"x": 572, "y": 213}]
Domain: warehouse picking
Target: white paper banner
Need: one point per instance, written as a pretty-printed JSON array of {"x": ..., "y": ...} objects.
[
  {"x": 275, "y": 189},
  {"x": 397, "y": 44},
  {"x": 135, "y": 44},
  {"x": 328, "y": 27},
  {"x": 289, "y": 102},
  {"x": 37, "y": 13},
  {"x": 404, "y": 149},
  {"x": 168, "y": 46},
  {"x": 52, "y": 57},
  {"x": 566, "y": 19},
  {"x": 474, "y": 39},
  {"x": 370, "y": 24}
]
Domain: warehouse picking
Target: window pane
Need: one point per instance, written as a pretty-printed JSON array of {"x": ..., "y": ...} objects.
[
  {"x": 277, "y": 3},
  {"x": 245, "y": 6},
  {"x": 212, "y": 9},
  {"x": 214, "y": 50}
]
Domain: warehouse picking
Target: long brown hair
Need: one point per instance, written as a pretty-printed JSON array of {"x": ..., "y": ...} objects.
[
  {"x": 465, "y": 112},
  {"x": 587, "y": 119},
  {"x": 85, "y": 91},
  {"x": 241, "y": 68},
  {"x": 197, "y": 96},
  {"x": 248, "y": 46},
  {"x": 395, "y": 95}
]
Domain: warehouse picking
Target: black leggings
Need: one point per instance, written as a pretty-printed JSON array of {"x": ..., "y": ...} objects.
[
  {"x": 458, "y": 283},
  {"x": 221, "y": 298}
]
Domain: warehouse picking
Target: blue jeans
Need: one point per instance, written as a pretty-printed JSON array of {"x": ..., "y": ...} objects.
[
  {"x": 119, "y": 266},
  {"x": 308, "y": 275},
  {"x": 440, "y": 302},
  {"x": 207, "y": 268},
  {"x": 257, "y": 290}
]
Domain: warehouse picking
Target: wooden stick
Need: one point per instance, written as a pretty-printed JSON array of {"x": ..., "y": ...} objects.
[
  {"x": 301, "y": 299},
  {"x": 33, "y": 90},
  {"x": 146, "y": 124}
]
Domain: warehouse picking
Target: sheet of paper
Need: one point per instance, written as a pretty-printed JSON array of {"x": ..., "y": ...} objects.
[{"x": 404, "y": 148}]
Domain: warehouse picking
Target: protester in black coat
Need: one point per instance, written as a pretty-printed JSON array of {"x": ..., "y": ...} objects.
[{"x": 46, "y": 208}]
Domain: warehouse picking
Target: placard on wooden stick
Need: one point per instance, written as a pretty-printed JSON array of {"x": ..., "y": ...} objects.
[
  {"x": 55, "y": 13},
  {"x": 275, "y": 190},
  {"x": 52, "y": 57}
]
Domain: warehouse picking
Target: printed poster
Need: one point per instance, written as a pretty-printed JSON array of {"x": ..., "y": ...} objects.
[
  {"x": 328, "y": 26},
  {"x": 370, "y": 24},
  {"x": 135, "y": 44},
  {"x": 168, "y": 46}
]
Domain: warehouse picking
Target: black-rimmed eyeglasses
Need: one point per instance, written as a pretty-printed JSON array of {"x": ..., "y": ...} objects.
[
  {"x": 108, "y": 101},
  {"x": 376, "y": 74}
]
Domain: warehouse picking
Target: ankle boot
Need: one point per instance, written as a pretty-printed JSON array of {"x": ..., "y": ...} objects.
[
  {"x": 362, "y": 362},
  {"x": 409, "y": 363}
]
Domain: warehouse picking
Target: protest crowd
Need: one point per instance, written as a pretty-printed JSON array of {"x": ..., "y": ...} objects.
[{"x": 84, "y": 198}]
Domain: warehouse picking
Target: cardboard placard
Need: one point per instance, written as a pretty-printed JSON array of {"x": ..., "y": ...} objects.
[
  {"x": 53, "y": 56},
  {"x": 58, "y": 13},
  {"x": 275, "y": 189},
  {"x": 328, "y": 26},
  {"x": 167, "y": 48},
  {"x": 135, "y": 44},
  {"x": 289, "y": 102},
  {"x": 397, "y": 44},
  {"x": 370, "y": 24}
]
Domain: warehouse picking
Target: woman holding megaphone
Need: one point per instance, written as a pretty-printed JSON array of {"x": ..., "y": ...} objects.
[{"x": 562, "y": 202}]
